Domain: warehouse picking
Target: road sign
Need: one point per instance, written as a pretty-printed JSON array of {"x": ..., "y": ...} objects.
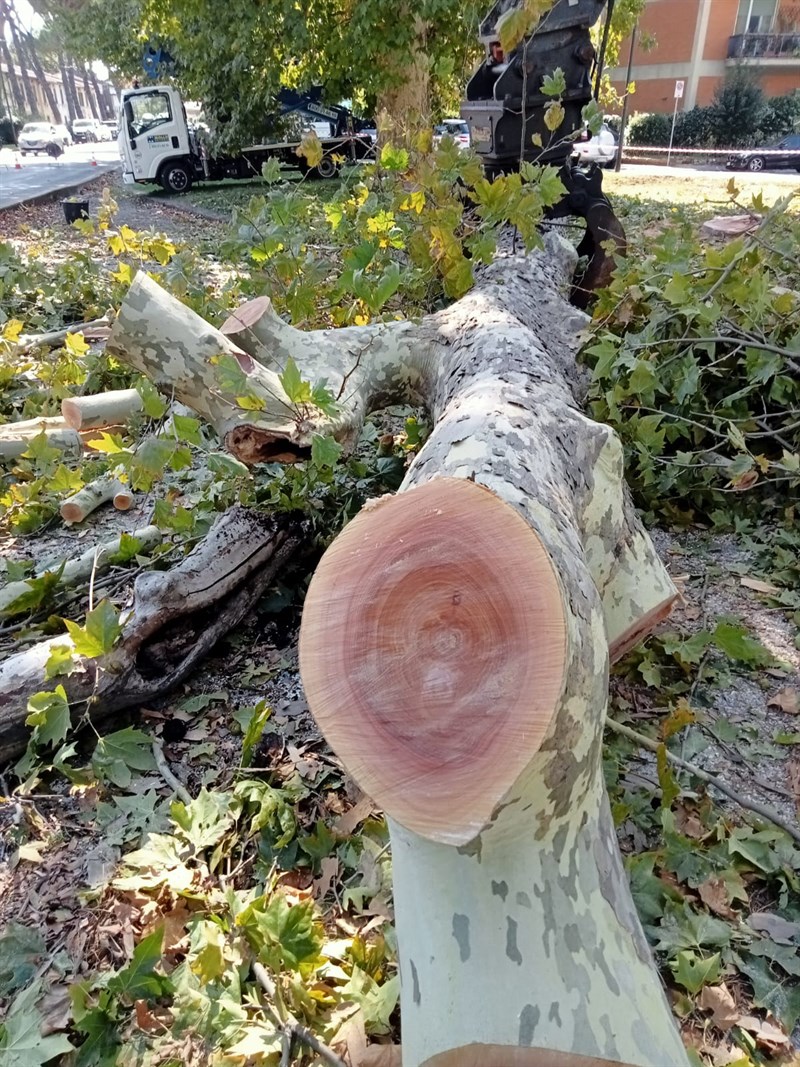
[{"x": 679, "y": 90}]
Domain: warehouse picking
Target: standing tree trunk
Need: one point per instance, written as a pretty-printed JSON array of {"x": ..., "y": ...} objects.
[
  {"x": 90, "y": 97},
  {"x": 22, "y": 62},
  {"x": 67, "y": 80},
  {"x": 404, "y": 106},
  {"x": 17, "y": 93},
  {"x": 41, "y": 77},
  {"x": 100, "y": 97},
  {"x": 455, "y": 648}
]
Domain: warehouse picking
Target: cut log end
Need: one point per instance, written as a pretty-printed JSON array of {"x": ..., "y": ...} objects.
[
  {"x": 246, "y": 315},
  {"x": 511, "y": 1056},
  {"x": 641, "y": 629},
  {"x": 432, "y": 652}
]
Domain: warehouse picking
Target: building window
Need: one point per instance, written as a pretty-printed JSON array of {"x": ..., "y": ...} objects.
[{"x": 756, "y": 16}]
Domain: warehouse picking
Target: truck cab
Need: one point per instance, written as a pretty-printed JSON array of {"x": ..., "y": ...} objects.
[{"x": 155, "y": 143}]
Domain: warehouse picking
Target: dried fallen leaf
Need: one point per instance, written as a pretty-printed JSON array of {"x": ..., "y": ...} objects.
[
  {"x": 345, "y": 825},
  {"x": 793, "y": 778},
  {"x": 380, "y": 1056},
  {"x": 759, "y": 586},
  {"x": 787, "y": 700},
  {"x": 778, "y": 929},
  {"x": 714, "y": 894},
  {"x": 329, "y": 869},
  {"x": 719, "y": 1000},
  {"x": 56, "y": 1009},
  {"x": 31, "y": 851},
  {"x": 766, "y": 1033}
]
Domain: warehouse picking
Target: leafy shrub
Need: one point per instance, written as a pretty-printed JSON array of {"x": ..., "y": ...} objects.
[
  {"x": 738, "y": 108},
  {"x": 694, "y": 364},
  {"x": 649, "y": 129},
  {"x": 781, "y": 115}
]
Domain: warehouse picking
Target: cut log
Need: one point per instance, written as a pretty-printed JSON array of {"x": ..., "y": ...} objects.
[
  {"x": 101, "y": 409},
  {"x": 74, "y": 571},
  {"x": 96, "y": 328},
  {"x": 455, "y": 648},
  {"x": 59, "y": 436},
  {"x": 88, "y": 499},
  {"x": 178, "y": 616}
]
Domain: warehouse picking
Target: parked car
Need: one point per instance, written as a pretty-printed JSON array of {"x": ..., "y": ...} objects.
[
  {"x": 784, "y": 154},
  {"x": 43, "y": 137},
  {"x": 455, "y": 128},
  {"x": 87, "y": 131},
  {"x": 112, "y": 125},
  {"x": 598, "y": 148}
]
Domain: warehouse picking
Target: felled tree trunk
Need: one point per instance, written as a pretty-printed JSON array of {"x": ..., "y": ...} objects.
[
  {"x": 178, "y": 616},
  {"x": 455, "y": 648}
]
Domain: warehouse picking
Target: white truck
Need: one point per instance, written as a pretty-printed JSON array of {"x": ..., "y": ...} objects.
[{"x": 158, "y": 145}]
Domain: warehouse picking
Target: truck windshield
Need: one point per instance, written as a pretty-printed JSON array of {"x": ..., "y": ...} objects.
[{"x": 147, "y": 112}]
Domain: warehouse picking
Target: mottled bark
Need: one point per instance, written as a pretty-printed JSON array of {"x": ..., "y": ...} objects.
[
  {"x": 404, "y": 106},
  {"x": 515, "y": 923},
  {"x": 455, "y": 649},
  {"x": 177, "y": 618}
]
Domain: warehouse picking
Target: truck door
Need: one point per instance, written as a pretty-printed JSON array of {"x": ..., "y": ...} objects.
[{"x": 154, "y": 131}]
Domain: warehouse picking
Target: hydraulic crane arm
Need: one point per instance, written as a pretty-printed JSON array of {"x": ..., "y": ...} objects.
[{"x": 505, "y": 108}]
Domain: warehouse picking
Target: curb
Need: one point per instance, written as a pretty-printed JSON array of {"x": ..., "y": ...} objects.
[{"x": 73, "y": 187}]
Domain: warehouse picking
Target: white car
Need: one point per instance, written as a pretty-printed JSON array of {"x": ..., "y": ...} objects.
[
  {"x": 88, "y": 130},
  {"x": 455, "y": 128},
  {"x": 600, "y": 148},
  {"x": 43, "y": 137}
]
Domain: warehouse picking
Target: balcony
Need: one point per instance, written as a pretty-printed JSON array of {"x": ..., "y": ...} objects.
[{"x": 779, "y": 48}]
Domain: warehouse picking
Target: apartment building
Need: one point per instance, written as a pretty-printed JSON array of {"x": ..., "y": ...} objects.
[{"x": 697, "y": 41}]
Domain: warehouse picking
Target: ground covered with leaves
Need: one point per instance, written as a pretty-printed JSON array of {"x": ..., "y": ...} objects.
[{"x": 192, "y": 883}]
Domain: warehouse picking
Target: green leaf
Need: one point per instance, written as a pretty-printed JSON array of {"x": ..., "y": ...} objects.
[
  {"x": 325, "y": 451},
  {"x": 287, "y": 933},
  {"x": 21, "y": 1040},
  {"x": 187, "y": 429},
  {"x": 153, "y": 403},
  {"x": 121, "y": 752},
  {"x": 39, "y": 591},
  {"x": 206, "y": 820},
  {"x": 252, "y": 721},
  {"x": 227, "y": 466},
  {"x": 110, "y": 444},
  {"x": 778, "y": 996},
  {"x": 296, "y": 388},
  {"x": 376, "y": 1002},
  {"x": 21, "y": 951},
  {"x": 735, "y": 642},
  {"x": 49, "y": 716},
  {"x": 271, "y": 170},
  {"x": 138, "y": 980},
  {"x": 394, "y": 158},
  {"x": 693, "y": 971},
  {"x": 99, "y": 633},
  {"x": 208, "y": 958},
  {"x": 555, "y": 84},
  {"x": 670, "y": 789},
  {"x": 60, "y": 661},
  {"x": 319, "y": 844}
]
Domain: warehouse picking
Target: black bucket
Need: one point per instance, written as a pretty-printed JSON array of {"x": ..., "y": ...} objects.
[{"x": 75, "y": 209}]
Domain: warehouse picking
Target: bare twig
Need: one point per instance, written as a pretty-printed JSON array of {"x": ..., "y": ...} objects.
[
  {"x": 292, "y": 1028},
  {"x": 764, "y": 810},
  {"x": 166, "y": 773}
]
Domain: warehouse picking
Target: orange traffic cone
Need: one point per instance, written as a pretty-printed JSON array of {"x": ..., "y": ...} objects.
[{"x": 94, "y": 161}]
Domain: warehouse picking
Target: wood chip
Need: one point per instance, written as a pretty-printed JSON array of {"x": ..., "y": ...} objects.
[{"x": 760, "y": 586}]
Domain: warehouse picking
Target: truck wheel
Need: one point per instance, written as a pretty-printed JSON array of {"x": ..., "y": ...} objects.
[
  {"x": 175, "y": 178},
  {"x": 326, "y": 168}
]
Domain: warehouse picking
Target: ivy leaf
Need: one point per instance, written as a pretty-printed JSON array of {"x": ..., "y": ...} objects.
[
  {"x": 76, "y": 345},
  {"x": 229, "y": 466},
  {"x": 319, "y": 844},
  {"x": 376, "y": 1002},
  {"x": 108, "y": 443},
  {"x": 60, "y": 661},
  {"x": 208, "y": 961},
  {"x": 187, "y": 429},
  {"x": 138, "y": 980},
  {"x": 693, "y": 971},
  {"x": 99, "y": 633}
]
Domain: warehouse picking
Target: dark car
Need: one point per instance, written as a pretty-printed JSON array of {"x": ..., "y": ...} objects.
[{"x": 785, "y": 153}]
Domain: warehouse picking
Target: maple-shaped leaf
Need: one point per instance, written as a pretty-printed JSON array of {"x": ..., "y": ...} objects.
[{"x": 99, "y": 633}]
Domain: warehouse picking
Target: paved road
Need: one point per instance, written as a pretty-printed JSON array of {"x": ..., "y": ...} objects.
[{"x": 39, "y": 175}]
